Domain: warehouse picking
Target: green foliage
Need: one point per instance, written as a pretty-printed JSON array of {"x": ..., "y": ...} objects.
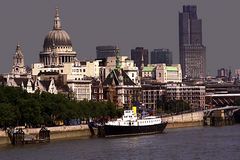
[
  {"x": 17, "y": 107},
  {"x": 8, "y": 115},
  {"x": 172, "y": 106}
]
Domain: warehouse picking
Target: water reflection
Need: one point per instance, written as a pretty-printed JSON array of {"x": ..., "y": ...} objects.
[{"x": 184, "y": 143}]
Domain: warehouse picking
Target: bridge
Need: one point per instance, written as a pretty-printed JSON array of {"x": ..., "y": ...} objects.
[
  {"x": 222, "y": 116},
  {"x": 214, "y": 117},
  {"x": 221, "y": 100}
]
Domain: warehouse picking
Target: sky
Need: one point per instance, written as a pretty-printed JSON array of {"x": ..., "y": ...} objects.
[{"x": 126, "y": 23}]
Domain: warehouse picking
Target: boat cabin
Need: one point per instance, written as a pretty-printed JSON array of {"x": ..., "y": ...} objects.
[{"x": 129, "y": 115}]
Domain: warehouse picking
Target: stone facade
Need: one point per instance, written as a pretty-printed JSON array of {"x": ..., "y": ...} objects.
[
  {"x": 81, "y": 89},
  {"x": 194, "y": 95},
  {"x": 166, "y": 74},
  {"x": 18, "y": 67},
  {"x": 57, "y": 47},
  {"x": 161, "y": 73},
  {"x": 126, "y": 64},
  {"x": 32, "y": 86},
  {"x": 120, "y": 89},
  {"x": 151, "y": 94}
]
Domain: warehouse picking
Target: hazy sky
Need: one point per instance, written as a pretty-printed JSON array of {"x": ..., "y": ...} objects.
[{"x": 126, "y": 23}]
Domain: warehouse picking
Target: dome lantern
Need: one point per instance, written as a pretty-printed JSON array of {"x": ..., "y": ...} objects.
[{"x": 57, "y": 21}]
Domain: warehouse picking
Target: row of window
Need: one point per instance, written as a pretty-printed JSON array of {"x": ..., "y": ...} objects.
[
  {"x": 151, "y": 97},
  {"x": 78, "y": 70},
  {"x": 61, "y": 71},
  {"x": 150, "y": 121},
  {"x": 82, "y": 90},
  {"x": 64, "y": 47},
  {"x": 127, "y": 116}
]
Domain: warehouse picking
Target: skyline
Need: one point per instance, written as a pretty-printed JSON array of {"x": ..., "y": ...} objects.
[{"x": 142, "y": 28}]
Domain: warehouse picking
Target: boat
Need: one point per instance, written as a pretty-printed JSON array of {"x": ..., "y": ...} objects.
[{"x": 131, "y": 124}]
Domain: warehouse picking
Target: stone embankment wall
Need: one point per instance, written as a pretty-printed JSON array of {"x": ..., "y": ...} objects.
[
  {"x": 185, "y": 120},
  {"x": 4, "y": 138},
  {"x": 61, "y": 132}
]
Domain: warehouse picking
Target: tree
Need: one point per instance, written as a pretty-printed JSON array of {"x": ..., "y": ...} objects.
[
  {"x": 17, "y": 107},
  {"x": 176, "y": 106},
  {"x": 30, "y": 112},
  {"x": 8, "y": 115},
  {"x": 161, "y": 103}
]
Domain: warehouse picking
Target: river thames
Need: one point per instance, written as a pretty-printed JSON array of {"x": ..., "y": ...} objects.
[{"x": 197, "y": 143}]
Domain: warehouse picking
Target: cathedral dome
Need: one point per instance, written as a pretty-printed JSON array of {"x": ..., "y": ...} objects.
[{"x": 57, "y": 37}]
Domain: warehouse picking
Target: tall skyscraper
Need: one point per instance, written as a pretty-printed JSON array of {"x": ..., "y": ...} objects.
[
  {"x": 140, "y": 56},
  {"x": 161, "y": 56},
  {"x": 192, "y": 51},
  {"x": 106, "y": 51}
]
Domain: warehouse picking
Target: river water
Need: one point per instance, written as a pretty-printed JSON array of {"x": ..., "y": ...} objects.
[{"x": 198, "y": 143}]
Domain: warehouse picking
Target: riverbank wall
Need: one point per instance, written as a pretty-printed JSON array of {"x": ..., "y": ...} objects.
[
  {"x": 56, "y": 133},
  {"x": 185, "y": 120},
  {"x": 4, "y": 138},
  {"x": 64, "y": 132}
]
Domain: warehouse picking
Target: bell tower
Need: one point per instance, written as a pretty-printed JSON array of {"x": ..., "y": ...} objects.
[{"x": 18, "y": 67}]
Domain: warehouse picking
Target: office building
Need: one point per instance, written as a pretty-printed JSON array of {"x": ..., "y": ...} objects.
[
  {"x": 161, "y": 56},
  {"x": 192, "y": 51},
  {"x": 105, "y": 51},
  {"x": 140, "y": 56},
  {"x": 194, "y": 95}
]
